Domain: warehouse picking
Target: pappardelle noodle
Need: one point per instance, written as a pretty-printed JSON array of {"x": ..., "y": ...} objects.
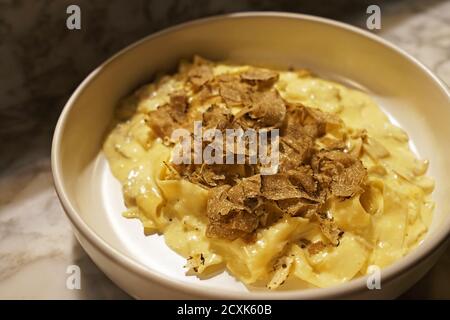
[{"x": 346, "y": 193}]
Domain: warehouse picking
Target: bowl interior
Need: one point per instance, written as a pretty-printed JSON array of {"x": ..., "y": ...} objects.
[{"x": 406, "y": 91}]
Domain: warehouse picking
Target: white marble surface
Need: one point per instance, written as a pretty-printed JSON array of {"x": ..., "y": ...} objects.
[{"x": 36, "y": 241}]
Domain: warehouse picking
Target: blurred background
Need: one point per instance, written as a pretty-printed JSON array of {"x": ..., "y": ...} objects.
[{"x": 42, "y": 62}]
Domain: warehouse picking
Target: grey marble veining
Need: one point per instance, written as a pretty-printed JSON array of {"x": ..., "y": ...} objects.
[{"x": 41, "y": 62}]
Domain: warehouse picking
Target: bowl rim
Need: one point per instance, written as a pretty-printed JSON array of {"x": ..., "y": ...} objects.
[{"x": 352, "y": 287}]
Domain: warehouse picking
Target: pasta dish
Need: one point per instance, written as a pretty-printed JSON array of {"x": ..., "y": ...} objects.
[{"x": 336, "y": 190}]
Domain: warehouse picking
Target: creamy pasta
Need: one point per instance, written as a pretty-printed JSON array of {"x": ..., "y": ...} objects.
[{"x": 378, "y": 225}]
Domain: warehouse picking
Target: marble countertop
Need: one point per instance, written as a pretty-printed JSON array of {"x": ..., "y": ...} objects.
[{"x": 37, "y": 73}]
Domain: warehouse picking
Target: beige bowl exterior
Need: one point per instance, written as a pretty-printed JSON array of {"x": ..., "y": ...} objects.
[{"x": 406, "y": 89}]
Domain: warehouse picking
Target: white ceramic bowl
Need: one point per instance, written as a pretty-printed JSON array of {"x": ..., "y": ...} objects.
[{"x": 143, "y": 266}]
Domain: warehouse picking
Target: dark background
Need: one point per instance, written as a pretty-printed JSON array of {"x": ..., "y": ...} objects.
[{"x": 42, "y": 62}]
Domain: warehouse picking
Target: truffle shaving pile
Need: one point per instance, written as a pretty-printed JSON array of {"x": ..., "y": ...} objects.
[{"x": 312, "y": 168}]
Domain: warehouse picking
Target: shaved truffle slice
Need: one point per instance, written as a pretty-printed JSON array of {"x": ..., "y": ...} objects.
[
  {"x": 228, "y": 77},
  {"x": 243, "y": 220},
  {"x": 234, "y": 93},
  {"x": 298, "y": 207},
  {"x": 212, "y": 175},
  {"x": 217, "y": 117},
  {"x": 296, "y": 147},
  {"x": 218, "y": 204},
  {"x": 206, "y": 175},
  {"x": 161, "y": 122},
  {"x": 200, "y": 72},
  {"x": 332, "y": 143},
  {"x": 312, "y": 197},
  {"x": 324, "y": 117},
  {"x": 346, "y": 172},
  {"x": 211, "y": 178},
  {"x": 218, "y": 230},
  {"x": 278, "y": 187},
  {"x": 267, "y": 110},
  {"x": 268, "y": 212},
  {"x": 170, "y": 116},
  {"x": 178, "y": 106},
  {"x": 303, "y": 177},
  {"x": 313, "y": 121},
  {"x": 240, "y": 225},
  {"x": 231, "y": 94},
  {"x": 228, "y": 219},
  {"x": 349, "y": 182},
  {"x": 260, "y": 76},
  {"x": 316, "y": 122},
  {"x": 200, "y": 75},
  {"x": 247, "y": 188},
  {"x": 204, "y": 94}
]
